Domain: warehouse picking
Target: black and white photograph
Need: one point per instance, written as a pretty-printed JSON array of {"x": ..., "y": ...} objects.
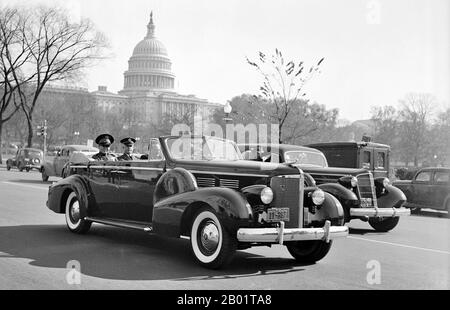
[{"x": 224, "y": 151}]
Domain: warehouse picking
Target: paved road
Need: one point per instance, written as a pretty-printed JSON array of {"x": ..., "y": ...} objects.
[{"x": 35, "y": 248}]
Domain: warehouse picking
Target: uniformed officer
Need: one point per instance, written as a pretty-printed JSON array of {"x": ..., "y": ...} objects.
[
  {"x": 104, "y": 142},
  {"x": 128, "y": 147}
]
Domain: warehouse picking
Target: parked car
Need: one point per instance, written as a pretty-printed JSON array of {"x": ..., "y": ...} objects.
[
  {"x": 54, "y": 166},
  {"x": 366, "y": 155},
  {"x": 429, "y": 188},
  {"x": 201, "y": 188},
  {"x": 362, "y": 196},
  {"x": 26, "y": 158}
]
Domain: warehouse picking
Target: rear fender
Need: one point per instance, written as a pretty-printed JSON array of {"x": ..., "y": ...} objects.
[{"x": 60, "y": 190}]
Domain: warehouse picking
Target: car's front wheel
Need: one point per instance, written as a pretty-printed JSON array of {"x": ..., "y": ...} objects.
[
  {"x": 310, "y": 251},
  {"x": 211, "y": 244},
  {"x": 384, "y": 224},
  {"x": 44, "y": 175},
  {"x": 75, "y": 222},
  {"x": 20, "y": 167},
  {"x": 8, "y": 167}
]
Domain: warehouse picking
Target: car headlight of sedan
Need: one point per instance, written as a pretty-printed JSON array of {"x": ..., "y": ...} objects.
[
  {"x": 348, "y": 181},
  {"x": 266, "y": 195},
  {"x": 318, "y": 197}
]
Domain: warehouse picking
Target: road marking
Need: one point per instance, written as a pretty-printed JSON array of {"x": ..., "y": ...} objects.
[
  {"x": 23, "y": 185},
  {"x": 401, "y": 245}
]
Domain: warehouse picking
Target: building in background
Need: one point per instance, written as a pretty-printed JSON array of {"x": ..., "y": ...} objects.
[{"x": 149, "y": 86}]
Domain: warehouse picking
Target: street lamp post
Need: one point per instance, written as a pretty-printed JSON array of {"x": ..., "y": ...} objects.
[
  {"x": 76, "y": 134},
  {"x": 227, "y": 110}
]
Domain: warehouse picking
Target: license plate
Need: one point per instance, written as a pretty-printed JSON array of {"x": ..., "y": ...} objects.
[
  {"x": 366, "y": 202},
  {"x": 278, "y": 214}
]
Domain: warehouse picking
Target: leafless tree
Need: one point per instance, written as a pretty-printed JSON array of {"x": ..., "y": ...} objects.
[
  {"x": 416, "y": 110},
  {"x": 14, "y": 54},
  {"x": 283, "y": 84},
  {"x": 60, "y": 49}
]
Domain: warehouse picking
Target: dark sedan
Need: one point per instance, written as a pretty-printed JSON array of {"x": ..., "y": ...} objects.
[
  {"x": 363, "y": 197},
  {"x": 26, "y": 158},
  {"x": 429, "y": 188}
]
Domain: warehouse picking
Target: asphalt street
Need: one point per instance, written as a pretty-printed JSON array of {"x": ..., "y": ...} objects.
[{"x": 36, "y": 249}]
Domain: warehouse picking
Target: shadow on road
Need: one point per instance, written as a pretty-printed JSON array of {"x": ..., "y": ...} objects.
[
  {"x": 363, "y": 231},
  {"x": 30, "y": 181},
  {"x": 114, "y": 253}
]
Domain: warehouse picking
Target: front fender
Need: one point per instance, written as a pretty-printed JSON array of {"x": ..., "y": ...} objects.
[
  {"x": 58, "y": 192},
  {"x": 49, "y": 169},
  {"x": 392, "y": 197},
  {"x": 170, "y": 214},
  {"x": 332, "y": 210}
]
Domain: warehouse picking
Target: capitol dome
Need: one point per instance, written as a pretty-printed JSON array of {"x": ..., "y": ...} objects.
[{"x": 149, "y": 68}]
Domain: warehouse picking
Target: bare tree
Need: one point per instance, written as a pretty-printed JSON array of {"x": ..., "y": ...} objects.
[
  {"x": 14, "y": 54},
  {"x": 60, "y": 49},
  {"x": 415, "y": 113},
  {"x": 283, "y": 83}
]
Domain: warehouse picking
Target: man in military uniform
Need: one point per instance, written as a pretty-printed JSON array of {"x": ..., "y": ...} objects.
[
  {"x": 128, "y": 147},
  {"x": 104, "y": 142}
]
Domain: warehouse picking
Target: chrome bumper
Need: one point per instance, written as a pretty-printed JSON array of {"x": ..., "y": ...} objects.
[
  {"x": 281, "y": 234},
  {"x": 379, "y": 212}
]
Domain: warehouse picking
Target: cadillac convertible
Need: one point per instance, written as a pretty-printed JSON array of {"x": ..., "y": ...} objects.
[
  {"x": 201, "y": 189},
  {"x": 362, "y": 196}
]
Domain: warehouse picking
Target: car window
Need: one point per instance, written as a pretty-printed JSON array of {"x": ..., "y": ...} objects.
[
  {"x": 65, "y": 152},
  {"x": 381, "y": 160},
  {"x": 424, "y": 176},
  {"x": 441, "y": 176},
  {"x": 366, "y": 160}
]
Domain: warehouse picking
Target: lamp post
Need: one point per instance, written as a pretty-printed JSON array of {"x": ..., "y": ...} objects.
[
  {"x": 227, "y": 110},
  {"x": 76, "y": 134}
]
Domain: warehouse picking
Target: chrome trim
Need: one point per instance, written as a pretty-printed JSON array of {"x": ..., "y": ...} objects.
[
  {"x": 278, "y": 235},
  {"x": 146, "y": 227},
  {"x": 380, "y": 212},
  {"x": 126, "y": 168},
  {"x": 230, "y": 173},
  {"x": 301, "y": 194}
]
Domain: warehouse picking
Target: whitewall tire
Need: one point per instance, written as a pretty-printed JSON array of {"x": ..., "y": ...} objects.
[
  {"x": 211, "y": 244},
  {"x": 73, "y": 212}
]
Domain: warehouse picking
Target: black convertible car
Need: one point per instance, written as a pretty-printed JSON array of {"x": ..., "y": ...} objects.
[{"x": 200, "y": 187}]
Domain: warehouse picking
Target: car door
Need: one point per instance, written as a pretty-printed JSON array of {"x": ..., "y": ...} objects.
[
  {"x": 440, "y": 189},
  {"x": 60, "y": 160},
  {"x": 421, "y": 188},
  {"x": 137, "y": 180},
  {"x": 104, "y": 189},
  {"x": 380, "y": 163}
]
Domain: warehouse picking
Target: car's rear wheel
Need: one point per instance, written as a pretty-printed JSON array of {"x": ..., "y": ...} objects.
[
  {"x": 309, "y": 251},
  {"x": 27, "y": 169},
  {"x": 384, "y": 224},
  {"x": 44, "y": 175},
  {"x": 211, "y": 244},
  {"x": 20, "y": 167},
  {"x": 74, "y": 220},
  {"x": 8, "y": 167}
]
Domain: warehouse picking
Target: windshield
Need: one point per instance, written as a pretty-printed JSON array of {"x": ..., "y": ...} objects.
[
  {"x": 306, "y": 158},
  {"x": 32, "y": 153},
  {"x": 202, "y": 148}
]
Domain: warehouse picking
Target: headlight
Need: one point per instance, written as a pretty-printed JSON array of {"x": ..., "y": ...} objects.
[
  {"x": 266, "y": 195},
  {"x": 348, "y": 181},
  {"x": 318, "y": 197}
]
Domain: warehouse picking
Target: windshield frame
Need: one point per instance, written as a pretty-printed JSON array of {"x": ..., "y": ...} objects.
[{"x": 169, "y": 156}]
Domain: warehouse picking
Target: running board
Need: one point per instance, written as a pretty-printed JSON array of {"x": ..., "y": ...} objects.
[{"x": 147, "y": 227}]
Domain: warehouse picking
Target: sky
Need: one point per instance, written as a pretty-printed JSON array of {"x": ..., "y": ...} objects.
[{"x": 376, "y": 51}]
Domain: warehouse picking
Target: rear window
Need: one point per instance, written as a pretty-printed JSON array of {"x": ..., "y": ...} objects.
[
  {"x": 441, "y": 176},
  {"x": 381, "y": 160}
]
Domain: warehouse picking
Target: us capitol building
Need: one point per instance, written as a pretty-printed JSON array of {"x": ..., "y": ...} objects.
[{"x": 148, "y": 88}]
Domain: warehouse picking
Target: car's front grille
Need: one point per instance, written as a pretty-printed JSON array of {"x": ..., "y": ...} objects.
[{"x": 366, "y": 188}]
